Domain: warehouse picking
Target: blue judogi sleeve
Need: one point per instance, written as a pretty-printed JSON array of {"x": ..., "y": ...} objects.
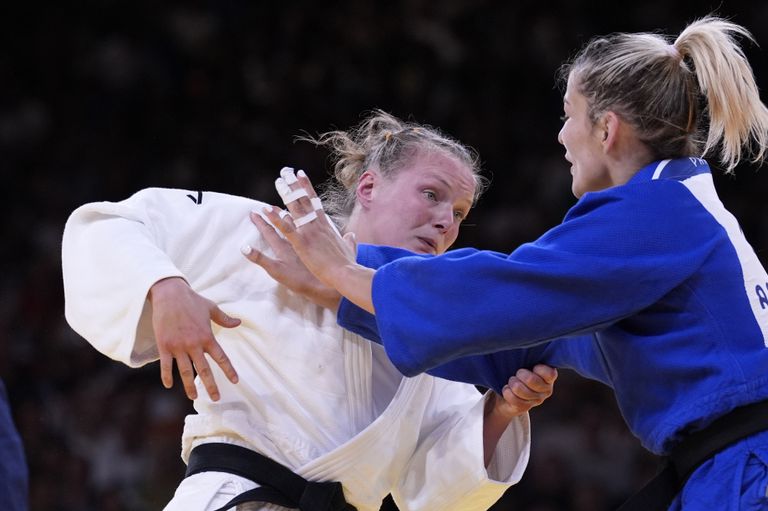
[
  {"x": 488, "y": 370},
  {"x": 614, "y": 254},
  {"x": 352, "y": 317},
  {"x": 492, "y": 370}
]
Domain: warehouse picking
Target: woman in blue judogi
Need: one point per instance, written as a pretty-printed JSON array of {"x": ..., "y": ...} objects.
[{"x": 648, "y": 285}]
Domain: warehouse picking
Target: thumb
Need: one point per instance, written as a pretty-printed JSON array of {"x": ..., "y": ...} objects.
[{"x": 220, "y": 318}]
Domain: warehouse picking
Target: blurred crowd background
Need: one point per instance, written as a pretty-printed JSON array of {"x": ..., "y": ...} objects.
[{"x": 101, "y": 98}]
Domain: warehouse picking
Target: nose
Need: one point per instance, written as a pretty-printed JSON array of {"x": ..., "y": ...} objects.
[{"x": 444, "y": 219}]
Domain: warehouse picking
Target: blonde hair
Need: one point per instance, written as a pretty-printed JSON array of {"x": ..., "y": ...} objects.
[
  {"x": 684, "y": 98},
  {"x": 385, "y": 143}
]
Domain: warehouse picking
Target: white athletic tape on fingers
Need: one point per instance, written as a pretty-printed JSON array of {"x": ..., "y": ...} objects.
[
  {"x": 283, "y": 213},
  {"x": 295, "y": 195},
  {"x": 305, "y": 219},
  {"x": 282, "y": 187},
  {"x": 286, "y": 193},
  {"x": 287, "y": 174},
  {"x": 317, "y": 204}
]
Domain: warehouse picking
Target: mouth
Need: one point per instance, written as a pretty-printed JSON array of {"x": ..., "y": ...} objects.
[
  {"x": 570, "y": 162},
  {"x": 431, "y": 245}
]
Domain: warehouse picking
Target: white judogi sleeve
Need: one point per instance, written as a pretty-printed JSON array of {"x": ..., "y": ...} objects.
[
  {"x": 113, "y": 252},
  {"x": 450, "y": 454}
]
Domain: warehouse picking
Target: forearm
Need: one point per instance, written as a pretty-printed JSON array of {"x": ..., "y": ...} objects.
[
  {"x": 105, "y": 255},
  {"x": 355, "y": 282},
  {"x": 494, "y": 425}
]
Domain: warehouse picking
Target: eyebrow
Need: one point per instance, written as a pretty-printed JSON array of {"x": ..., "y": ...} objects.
[
  {"x": 469, "y": 203},
  {"x": 445, "y": 183}
]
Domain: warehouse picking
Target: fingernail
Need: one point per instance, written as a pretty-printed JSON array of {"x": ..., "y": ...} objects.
[
  {"x": 246, "y": 249},
  {"x": 301, "y": 173}
]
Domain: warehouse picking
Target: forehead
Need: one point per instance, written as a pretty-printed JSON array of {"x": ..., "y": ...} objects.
[
  {"x": 443, "y": 168},
  {"x": 570, "y": 89},
  {"x": 573, "y": 95}
]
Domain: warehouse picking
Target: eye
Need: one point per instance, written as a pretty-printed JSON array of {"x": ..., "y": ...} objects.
[
  {"x": 429, "y": 194},
  {"x": 459, "y": 215}
]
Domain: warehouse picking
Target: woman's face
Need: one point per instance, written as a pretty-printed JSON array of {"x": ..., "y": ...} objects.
[
  {"x": 420, "y": 207},
  {"x": 583, "y": 144}
]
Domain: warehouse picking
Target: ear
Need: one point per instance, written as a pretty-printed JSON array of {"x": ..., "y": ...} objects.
[
  {"x": 610, "y": 124},
  {"x": 365, "y": 185}
]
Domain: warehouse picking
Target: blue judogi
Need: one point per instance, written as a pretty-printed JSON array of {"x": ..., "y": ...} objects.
[
  {"x": 648, "y": 287},
  {"x": 13, "y": 464}
]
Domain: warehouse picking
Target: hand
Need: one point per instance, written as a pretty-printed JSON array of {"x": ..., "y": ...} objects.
[
  {"x": 181, "y": 320},
  {"x": 521, "y": 393},
  {"x": 317, "y": 243},
  {"x": 287, "y": 268},
  {"x": 526, "y": 390}
]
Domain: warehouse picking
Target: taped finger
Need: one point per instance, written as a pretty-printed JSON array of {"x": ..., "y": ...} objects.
[
  {"x": 285, "y": 192},
  {"x": 305, "y": 219},
  {"x": 280, "y": 219},
  {"x": 287, "y": 174},
  {"x": 294, "y": 195}
]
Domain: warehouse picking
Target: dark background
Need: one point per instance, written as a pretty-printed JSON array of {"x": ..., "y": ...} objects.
[{"x": 103, "y": 98}]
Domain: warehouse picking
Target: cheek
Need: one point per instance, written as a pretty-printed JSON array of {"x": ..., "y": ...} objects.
[
  {"x": 417, "y": 212},
  {"x": 451, "y": 236},
  {"x": 453, "y": 231}
]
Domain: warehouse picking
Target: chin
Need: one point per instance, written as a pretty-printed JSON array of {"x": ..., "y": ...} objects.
[{"x": 576, "y": 192}]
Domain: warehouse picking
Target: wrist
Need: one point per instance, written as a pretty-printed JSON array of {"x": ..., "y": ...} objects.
[
  {"x": 355, "y": 282},
  {"x": 490, "y": 405},
  {"x": 164, "y": 287},
  {"x": 324, "y": 296}
]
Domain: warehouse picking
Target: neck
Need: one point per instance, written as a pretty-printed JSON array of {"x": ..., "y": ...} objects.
[
  {"x": 624, "y": 163},
  {"x": 357, "y": 225}
]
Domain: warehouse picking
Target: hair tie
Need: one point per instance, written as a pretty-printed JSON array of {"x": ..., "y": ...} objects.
[
  {"x": 673, "y": 52},
  {"x": 387, "y": 136}
]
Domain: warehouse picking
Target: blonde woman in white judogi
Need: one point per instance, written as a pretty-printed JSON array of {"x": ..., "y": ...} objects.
[{"x": 308, "y": 394}]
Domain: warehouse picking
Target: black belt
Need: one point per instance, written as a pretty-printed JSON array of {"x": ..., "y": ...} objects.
[
  {"x": 278, "y": 484},
  {"x": 695, "y": 449}
]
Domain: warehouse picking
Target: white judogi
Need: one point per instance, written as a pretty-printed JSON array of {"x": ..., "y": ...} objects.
[{"x": 311, "y": 395}]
